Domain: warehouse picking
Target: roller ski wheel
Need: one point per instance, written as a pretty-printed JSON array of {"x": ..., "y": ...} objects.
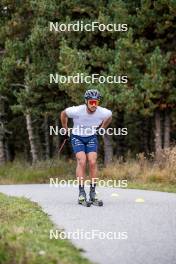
[
  {"x": 97, "y": 202},
  {"x": 82, "y": 200},
  {"x": 85, "y": 203},
  {"x": 94, "y": 199}
]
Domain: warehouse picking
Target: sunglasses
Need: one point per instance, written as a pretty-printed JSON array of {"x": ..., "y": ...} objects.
[{"x": 93, "y": 102}]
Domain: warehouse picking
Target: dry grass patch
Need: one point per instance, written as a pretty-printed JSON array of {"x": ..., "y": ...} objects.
[{"x": 143, "y": 170}]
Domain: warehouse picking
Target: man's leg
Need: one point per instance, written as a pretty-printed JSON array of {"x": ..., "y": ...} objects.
[
  {"x": 79, "y": 149},
  {"x": 80, "y": 174},
  {"x": 81, "y": 166},
  {"x": 91, "y": 150},
  {"x": 92, "y": 159}
]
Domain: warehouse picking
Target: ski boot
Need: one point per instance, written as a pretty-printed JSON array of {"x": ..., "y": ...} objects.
[
  {"x": 82, "y": 199},
  {"x": 94, "y": 198}
]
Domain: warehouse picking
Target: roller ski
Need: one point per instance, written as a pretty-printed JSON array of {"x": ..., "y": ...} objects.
[
  {"x": 94, "y": 198},
  {"x": 82, "y": 199}
]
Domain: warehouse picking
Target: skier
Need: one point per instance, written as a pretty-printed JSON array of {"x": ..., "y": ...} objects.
[{"x": 87, "y": 118}]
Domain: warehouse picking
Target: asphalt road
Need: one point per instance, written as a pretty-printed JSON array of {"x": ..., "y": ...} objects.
[{"x": 143, "y": 223}]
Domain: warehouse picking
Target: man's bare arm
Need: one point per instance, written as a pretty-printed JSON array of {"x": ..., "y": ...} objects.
[
  {"x": 106, "y": 122},
  {"x": 64, "y": 119}
]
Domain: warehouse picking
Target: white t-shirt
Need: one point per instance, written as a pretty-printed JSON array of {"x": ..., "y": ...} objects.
[{"x": 85, "y": 123}]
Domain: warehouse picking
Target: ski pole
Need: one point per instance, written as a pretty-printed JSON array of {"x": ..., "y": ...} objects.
[
  {"x": 59, "y": 151},
  {"x": 61, "y": 147}
]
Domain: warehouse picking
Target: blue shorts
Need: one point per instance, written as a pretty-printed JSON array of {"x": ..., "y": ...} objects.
[{"x": 86, "y": 144}]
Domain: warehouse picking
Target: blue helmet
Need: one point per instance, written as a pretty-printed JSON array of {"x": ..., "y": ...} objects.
[{"x": 92, "y": 94}]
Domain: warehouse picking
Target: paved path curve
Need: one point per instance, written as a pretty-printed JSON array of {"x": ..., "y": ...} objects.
[{"x": 148, "y": 223}]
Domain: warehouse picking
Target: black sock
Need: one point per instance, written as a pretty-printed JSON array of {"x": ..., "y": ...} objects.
[
  {"x": 92, "y": 186},
  {"x": 81, "y": 187}
]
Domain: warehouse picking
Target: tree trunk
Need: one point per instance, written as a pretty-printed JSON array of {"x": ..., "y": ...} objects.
[
  {"x": 158, "y": 135},
  {"x": 108, "y": 149},
  {"x": 150, "y": 135},
  {"x": 7, "y": 151},
  {"x": 46, "y": 133},
  {"x": 27, "y": 152},
  {"x": 2, "y": 132},
  {"x": 32, "y": 139},
  {"x": 2, "y": 150},
  {"x": 32, "y": 136},
  {"x": 166, "y": 129},
  {"x": 56, "y": 139},
  {"x": 120, "y": 140},
  {"x": 146, "y": 129}
]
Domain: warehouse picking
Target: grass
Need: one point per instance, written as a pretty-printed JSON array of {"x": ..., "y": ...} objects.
[
  {"x": 140, "y": 173},
  {"x": 22, "y": 172},
  {"x": 153, "y": 186},
  {"x": 24, "y": 236},
  {"x": 24, "y": 232}
]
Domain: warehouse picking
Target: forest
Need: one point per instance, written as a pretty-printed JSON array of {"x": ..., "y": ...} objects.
[{"x": 29, "y": 52}]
